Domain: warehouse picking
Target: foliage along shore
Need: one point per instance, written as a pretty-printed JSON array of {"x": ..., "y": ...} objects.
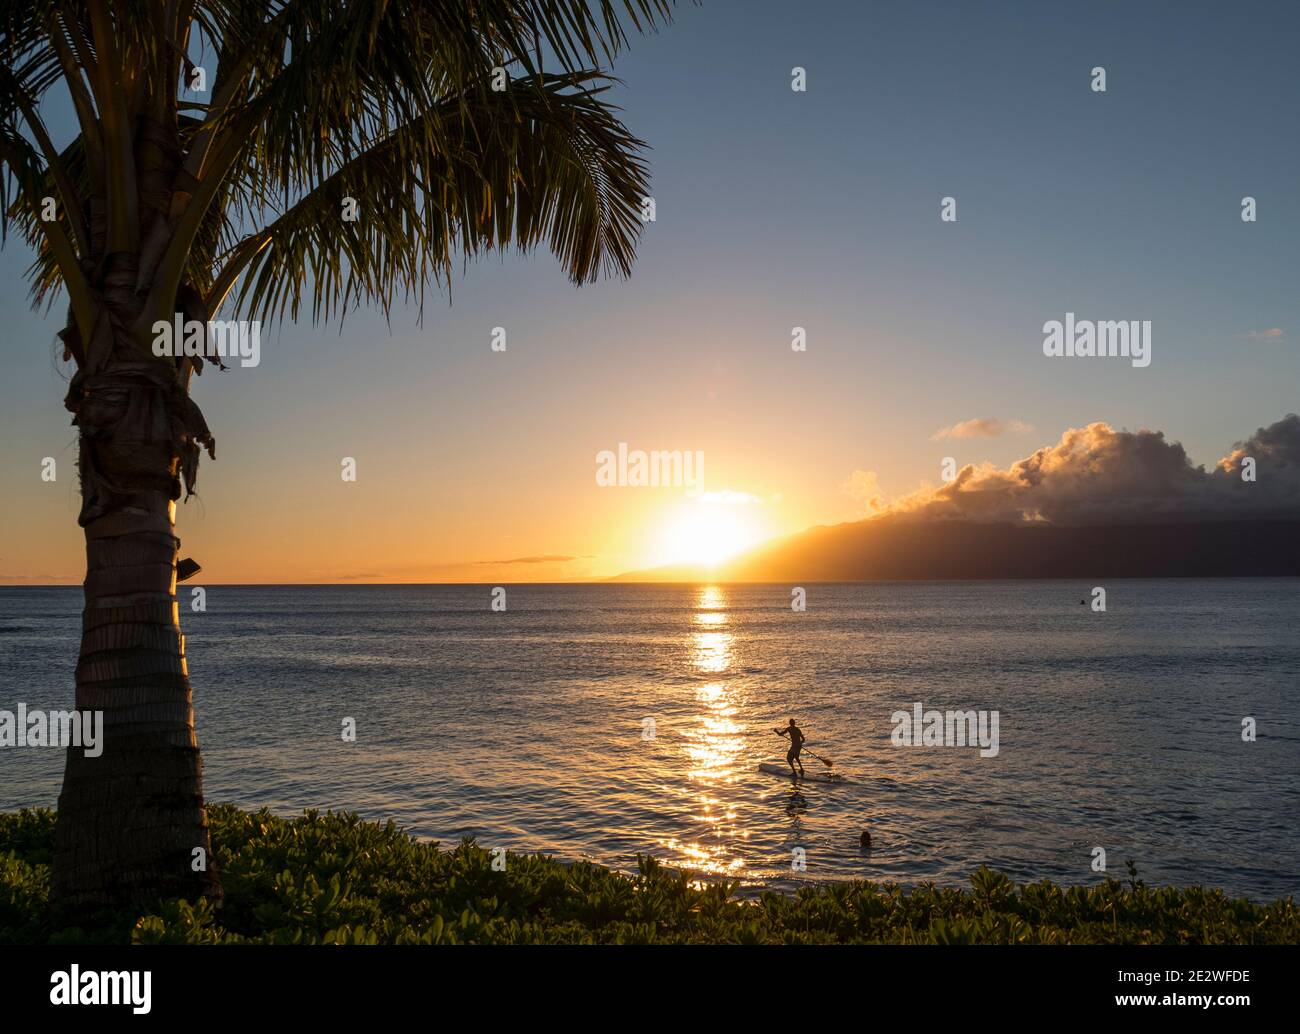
[{"x": 336, "y": 879}]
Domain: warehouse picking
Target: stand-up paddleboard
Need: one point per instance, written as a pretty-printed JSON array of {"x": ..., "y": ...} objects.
[{"x": 809, "y": 776}]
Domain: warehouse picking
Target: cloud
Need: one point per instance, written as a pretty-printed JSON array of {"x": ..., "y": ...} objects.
[
  {"x": 981, "y": 427},
  {"x": 1097, "y": 475},
  {"x": 1271, "y": 334},
  {"x": 548, "y": 558},
  {"x": 863, "y": 487},
  {"x": 1276, "y": 447}
]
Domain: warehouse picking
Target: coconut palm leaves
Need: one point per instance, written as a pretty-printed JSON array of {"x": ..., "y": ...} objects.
[{"x": 455, "y": 127}]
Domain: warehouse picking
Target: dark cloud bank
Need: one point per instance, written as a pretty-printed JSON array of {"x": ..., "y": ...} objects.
[{"x": 1099, "y": 503}]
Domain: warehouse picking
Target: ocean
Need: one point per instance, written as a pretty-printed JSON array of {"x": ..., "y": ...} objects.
[{"x": 605, "y": 721}]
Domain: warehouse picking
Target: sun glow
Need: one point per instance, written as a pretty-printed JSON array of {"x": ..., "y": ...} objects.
[{"x": 707, "y": 531}]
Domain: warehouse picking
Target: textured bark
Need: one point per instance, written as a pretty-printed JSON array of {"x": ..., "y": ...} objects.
[{"x": 130, "y": 820}]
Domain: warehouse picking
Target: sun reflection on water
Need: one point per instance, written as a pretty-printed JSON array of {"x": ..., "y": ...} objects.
[
  {"x": 717, "y": 742},
  {"x": 715, "y": 746},
  {"x": 712, "y": 651}
]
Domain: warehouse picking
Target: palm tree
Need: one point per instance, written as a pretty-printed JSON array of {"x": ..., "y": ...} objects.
[{"x": 218, "y": 151}]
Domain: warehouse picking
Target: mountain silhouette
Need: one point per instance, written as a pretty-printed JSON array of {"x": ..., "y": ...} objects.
[{"x": 892, "y": 549}]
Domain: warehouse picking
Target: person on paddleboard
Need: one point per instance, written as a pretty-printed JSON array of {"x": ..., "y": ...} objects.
[{"x": 796, "y": 745}]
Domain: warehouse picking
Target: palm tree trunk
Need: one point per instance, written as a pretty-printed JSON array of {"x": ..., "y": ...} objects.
[{"x": 132, "y": 821}]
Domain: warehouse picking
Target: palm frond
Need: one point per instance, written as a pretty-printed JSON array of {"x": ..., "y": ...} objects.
[
  {"x": 557, "y": 166},
  {"x": 311, "y": 102}
]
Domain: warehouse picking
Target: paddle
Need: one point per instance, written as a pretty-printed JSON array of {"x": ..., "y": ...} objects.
[{"x": 828, "y": 764}]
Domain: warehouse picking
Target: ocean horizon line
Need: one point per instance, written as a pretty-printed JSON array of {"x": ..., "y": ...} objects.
[{"x": 620, "y": 581}]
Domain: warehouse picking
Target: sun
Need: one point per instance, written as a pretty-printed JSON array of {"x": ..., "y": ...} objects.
[{"x": 706, "y": 531}]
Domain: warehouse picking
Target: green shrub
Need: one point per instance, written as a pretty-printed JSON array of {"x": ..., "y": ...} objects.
[{"x": 335, "y": 879}]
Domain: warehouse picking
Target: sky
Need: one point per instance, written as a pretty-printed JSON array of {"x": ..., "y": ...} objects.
[{"x": 774, "y": 209}]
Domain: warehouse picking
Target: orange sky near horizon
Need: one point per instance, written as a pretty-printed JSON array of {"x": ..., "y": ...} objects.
[{"x": 343, "y": 533}]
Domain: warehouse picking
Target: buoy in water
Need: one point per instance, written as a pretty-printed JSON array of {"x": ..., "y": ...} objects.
[{"x": 865, "y": 840}]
